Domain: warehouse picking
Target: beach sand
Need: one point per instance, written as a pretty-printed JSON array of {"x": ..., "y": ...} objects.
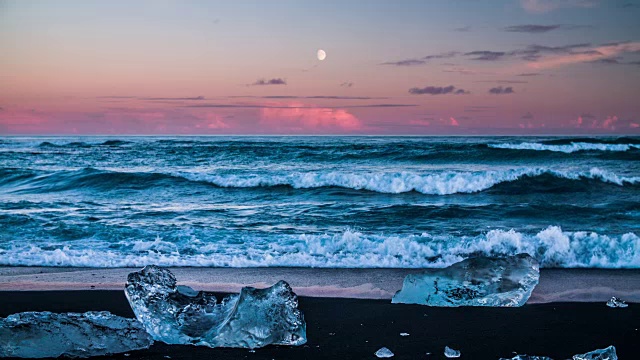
[
  {"x": 341, "y": 328},
  {"x": 556, "y": 285}
]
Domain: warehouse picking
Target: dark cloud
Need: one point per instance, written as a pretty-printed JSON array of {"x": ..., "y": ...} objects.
[
  {"x": 529, "y": 74},
  {"x": 486, "y": 55},
  {"x": 407, "y": 62},
  {"x": 534, "y": 52},
  {"x": 422, "y": 60},
  {"x": 503, "y": 81},
  {"x": 587, "y": 116},
  {"x": 536, "y": 29},
  {"x": 196, "y": 98},
  {"x": 529, "y": 28},
  {"x": 463, "y": 29},
  {"x": 446, "y": 55},
  {"x": 608, "y": 61},
  {"x": 437, "y": 90},
  {"x": 527, "y": 116},
  {"x": 346, "y": 84},
  {"x": 274, "y": 81},
  {"x": 116, "y": 97},
  {"x": 629, "y": 5},
  {"x": 501, "y": 90}
]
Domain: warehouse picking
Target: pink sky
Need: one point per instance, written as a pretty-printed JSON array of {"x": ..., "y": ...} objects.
[{"x": 512, "y": 66}]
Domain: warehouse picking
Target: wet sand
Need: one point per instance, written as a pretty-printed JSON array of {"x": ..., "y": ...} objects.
[{"x": 556, "y": 285}]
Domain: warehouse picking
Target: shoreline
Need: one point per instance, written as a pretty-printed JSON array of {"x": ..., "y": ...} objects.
[
  {"x": 356, "y": 328},
  {"x": 556, "y": 285}
]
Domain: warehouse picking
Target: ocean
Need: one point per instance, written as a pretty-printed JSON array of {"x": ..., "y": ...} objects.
[{"x": 329, "y": 202}]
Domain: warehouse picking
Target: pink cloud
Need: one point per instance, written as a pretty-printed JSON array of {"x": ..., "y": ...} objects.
[
  {"x": 297, "y": 118},
  {"x": 593, "y": 54},
  {"x": 610, "y": 122},
  {"x": 112, "y": 121},
  {"x": 453, "y": 121}
]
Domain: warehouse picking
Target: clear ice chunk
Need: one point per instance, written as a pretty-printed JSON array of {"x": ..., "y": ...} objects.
[
  {"x": 383, "y": 352},
  {"x": 479, "y": 281},
  {"x": 602, "y": 354},
  {"x": 46, "y": 334},
  {"x": 180, "y": 315},
  {"x": 527, "y": 357},
  {"x": 451, "y": 353},
  {"x": 614, "y": 302}
]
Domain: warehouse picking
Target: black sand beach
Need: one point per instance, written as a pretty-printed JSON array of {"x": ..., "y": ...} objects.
[{"x": 356, "y": 328}]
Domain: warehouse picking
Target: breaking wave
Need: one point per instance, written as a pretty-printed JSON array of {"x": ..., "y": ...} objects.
[
  {"x": 441, "y": 183},
  {"x": 552, "y": 247},
  {"x": 566, "y": 148}
]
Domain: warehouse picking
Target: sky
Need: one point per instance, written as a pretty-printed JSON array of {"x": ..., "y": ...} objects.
[{"x": 251, "y": 67}]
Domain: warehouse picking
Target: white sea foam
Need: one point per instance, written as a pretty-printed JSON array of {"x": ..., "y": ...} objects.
[
  {"x": 552, "y": 247},
  {"x": 568, "y": 148},
  {"x": 441, "y": 183}
]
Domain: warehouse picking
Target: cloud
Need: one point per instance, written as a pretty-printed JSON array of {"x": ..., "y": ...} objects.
[
  {"x": 535, "y": 52},
  {"x": 423, "y": 60},
  {"x": 543, "y": 6},
  {"x": 435, "y": 122},
  {"x": 531, "y": 28},
  {"x": 116, "y": 121},
  {"x": 407, "y": 62},
  {"x": 268, "y": 106},
  {"x": 437, "y": 90},
  {"x": 196, "y": 98},
  {"x": 274, "y": 81},
  {"x": 116, "y": 97},
  {"x": 346, "y": 84},
  {"x": 502, "y": 81},
  {"x": 529, "y": 74},
  {"x": 606, "y": 51},
  {"x": 527, "y": 116},
  {"x": 486, "y": 55},
  {"x": 608, "y": 123},
  {"x": 463, "y": 29},
  {"x": 464, "y": 71},
  {"x": 300, "y": 118},
  {"x": 536, "y": 29},
  {"x": 501, "y": 90}
]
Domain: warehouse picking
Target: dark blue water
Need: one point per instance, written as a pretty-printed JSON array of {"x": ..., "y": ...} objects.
[{"x": 318, "y": 201}]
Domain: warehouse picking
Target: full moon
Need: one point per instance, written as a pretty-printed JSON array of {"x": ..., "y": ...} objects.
[{"x": 321, "y": 55}]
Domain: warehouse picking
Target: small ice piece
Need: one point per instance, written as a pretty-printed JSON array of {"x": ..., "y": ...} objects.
[
  {"x": 614, "y": 302},
  {"x": 527, "y": 357},
  {"x": 180, "y": 315},
  {"x": 383, "y": 352},
  {"x": 602, "y": 354},
  {"x": 46, "y": 334},
  {"x": 479, "y": 281},
  {"x": 451, "y": 353},
  {"x": 404, "y": 334}
]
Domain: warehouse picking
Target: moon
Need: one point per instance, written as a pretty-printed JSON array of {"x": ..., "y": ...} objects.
[{"x": 322, "y": 55}]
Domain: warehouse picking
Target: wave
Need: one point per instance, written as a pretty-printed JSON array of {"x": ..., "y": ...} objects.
[
  {"x": 445, "y": 183},
  {"x": 552, "y": 247},
  {"x": 567, "y": 148},
  {"x": 593, "y": 140},
  {"x": 442, "y": 183}
]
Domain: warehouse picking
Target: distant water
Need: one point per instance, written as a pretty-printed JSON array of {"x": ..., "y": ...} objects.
[{"x": 318, "y": 201}]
